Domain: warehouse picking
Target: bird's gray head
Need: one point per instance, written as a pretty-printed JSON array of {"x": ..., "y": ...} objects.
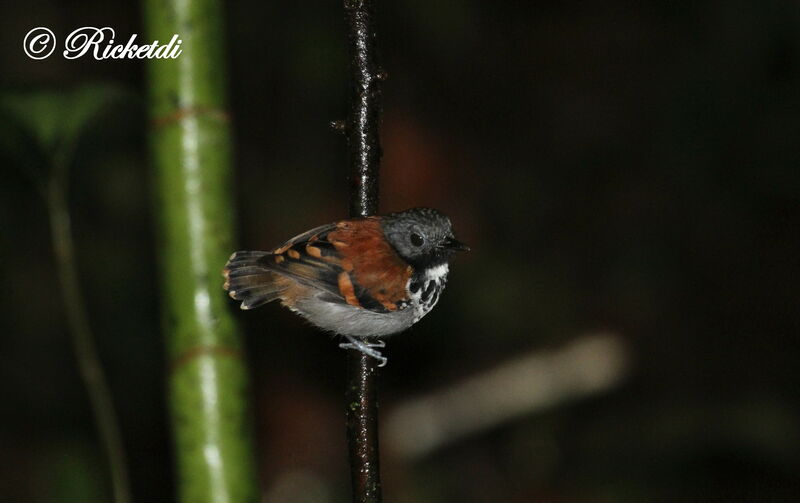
[{"x": 422, "y": 236}]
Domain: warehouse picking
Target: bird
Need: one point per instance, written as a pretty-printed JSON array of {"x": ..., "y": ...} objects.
[{"x": 362, "y": 278}]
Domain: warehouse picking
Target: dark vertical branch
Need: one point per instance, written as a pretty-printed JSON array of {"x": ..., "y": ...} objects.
[
  {"x": 365, "y": 152},
  {"x": 365, "y": 108},
  {"x": 362, "y": 427}
]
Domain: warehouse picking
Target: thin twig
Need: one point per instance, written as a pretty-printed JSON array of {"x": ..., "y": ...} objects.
[
  {"x": 362, "y": 130},
  {"x": 82, "y": 339}
]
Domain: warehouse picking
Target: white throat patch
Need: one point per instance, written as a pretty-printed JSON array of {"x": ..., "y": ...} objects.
[{"x": 428, "y": 289}]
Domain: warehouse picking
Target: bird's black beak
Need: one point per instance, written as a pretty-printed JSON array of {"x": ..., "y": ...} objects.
[{"x": 455, "y": 245}]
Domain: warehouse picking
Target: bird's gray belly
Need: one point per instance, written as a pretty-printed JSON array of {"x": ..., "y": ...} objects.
[{"x": 345, "y": 319}]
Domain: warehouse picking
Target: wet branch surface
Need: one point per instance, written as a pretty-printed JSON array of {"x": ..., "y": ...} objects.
[{"x": 362, "y": 131}]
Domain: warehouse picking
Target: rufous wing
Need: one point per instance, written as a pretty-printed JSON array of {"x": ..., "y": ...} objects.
[{"x": 350, "y": 260}]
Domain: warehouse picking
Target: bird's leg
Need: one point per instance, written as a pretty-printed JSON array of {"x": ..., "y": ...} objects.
[{"x": 367, "y": 348}]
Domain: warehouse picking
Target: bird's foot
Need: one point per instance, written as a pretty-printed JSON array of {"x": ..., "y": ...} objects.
[{"x": 368, "y": 348}]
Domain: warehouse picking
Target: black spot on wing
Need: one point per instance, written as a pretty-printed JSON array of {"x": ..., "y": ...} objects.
[
  {"x": 296, "y": 264},
  {"x": 365, "y": 300},
  {"x": 327, "y": 249},
  {"x": 368, "y": 302}
]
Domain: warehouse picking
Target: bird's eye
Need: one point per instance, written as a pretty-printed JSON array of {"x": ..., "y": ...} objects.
[{"x": 416, "y": 239}]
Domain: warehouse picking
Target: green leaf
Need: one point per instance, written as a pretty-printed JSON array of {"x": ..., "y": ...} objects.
[{"x": 55, "y": 119}]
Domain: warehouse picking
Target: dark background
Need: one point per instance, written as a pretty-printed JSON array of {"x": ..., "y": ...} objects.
[{"x": 624, "y": 167}]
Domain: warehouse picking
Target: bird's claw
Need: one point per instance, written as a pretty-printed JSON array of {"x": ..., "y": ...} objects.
[{"x": 367, "y": 348}]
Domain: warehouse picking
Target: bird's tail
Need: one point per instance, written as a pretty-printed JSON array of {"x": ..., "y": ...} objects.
[{"x": 249, "y": 282}]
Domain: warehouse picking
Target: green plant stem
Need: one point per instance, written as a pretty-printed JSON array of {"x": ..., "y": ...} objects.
[
  {"x": 82, "y": 339},
  {"x": 190, "y": 148}
]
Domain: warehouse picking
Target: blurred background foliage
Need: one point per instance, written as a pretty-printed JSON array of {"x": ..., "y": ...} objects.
[{"x": 623, "y": 167}]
